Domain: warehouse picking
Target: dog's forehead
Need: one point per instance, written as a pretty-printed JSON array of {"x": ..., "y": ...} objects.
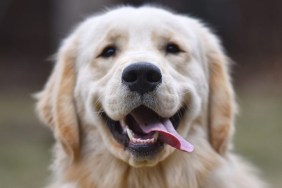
[
  {"x": 133, "y": 28},
  {"x": 126, "y": 20},
  {"x": 139, "y": 16}
]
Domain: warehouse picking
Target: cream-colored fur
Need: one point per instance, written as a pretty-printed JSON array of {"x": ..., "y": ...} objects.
[{"x": 83, "y": 84}]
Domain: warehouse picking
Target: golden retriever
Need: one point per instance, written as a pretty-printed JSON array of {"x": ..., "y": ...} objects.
[{"x": 142, "y": 98}]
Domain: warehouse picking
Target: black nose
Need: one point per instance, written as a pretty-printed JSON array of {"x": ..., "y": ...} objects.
[{"x": 142, "y": 77}]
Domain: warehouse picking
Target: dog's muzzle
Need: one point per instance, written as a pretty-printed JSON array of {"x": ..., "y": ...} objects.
[{"x": 142, "y": 131}]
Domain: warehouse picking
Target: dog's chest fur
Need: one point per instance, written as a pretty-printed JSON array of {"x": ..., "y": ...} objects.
[{"x": 104, "y": 170}]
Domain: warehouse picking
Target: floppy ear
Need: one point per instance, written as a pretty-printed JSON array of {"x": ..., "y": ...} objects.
[
  {"x": 221, "y": 100},
  {"x": 55, "y": 104}
]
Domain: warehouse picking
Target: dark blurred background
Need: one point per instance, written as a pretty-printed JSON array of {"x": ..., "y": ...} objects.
[{"x": 31, "y": 31}]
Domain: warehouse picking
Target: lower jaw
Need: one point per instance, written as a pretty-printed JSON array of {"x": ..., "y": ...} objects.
[
  {"x": 145, "y": 151},
  {"x": 138, "y": 161}
]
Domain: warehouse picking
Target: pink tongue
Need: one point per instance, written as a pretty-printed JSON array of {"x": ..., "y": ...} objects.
[{"x": 149, "y": 122}]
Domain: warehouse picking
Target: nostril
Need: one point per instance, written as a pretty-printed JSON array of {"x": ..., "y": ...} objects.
[
  {"x": 130, "y": 76},
  {"x": 154, "y": 76}
]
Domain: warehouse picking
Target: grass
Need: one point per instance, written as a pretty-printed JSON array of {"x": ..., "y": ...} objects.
[
  {"x": 258, "y": 136},
  {"x": 25, "y": 144},
  {"x": 23, "y": 164}
]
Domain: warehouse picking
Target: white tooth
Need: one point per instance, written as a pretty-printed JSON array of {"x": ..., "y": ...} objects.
[
  {"x": 123, "y": 124},
  {"x": 130, "y": 134},
  {"x": 155, "y": 137},
  {"x": 148, "y": 141},
  {"x": 134, "y": 140}
]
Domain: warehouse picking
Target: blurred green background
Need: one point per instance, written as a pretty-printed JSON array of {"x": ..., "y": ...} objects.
[{"x": 30, "y": 32}]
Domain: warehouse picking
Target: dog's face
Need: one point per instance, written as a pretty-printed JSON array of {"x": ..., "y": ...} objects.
[
  {"x": 144, "y": 62},
  {"x": 130, "y": 69}
]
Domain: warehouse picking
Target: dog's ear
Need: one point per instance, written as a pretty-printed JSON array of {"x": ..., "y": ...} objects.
[
  {"x": 55, "y": 104},
  {"x": 222, "y": 107}
]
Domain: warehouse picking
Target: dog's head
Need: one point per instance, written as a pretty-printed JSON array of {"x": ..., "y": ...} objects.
[{"x": 142, "y": 78}]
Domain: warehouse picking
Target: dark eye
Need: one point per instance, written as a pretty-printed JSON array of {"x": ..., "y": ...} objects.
[
  {"x": 108, "y": 52},
  {"x": 172, "y": 48}
]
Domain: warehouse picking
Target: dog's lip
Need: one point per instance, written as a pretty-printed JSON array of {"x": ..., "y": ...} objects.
[{"x": 119, "y": 131}]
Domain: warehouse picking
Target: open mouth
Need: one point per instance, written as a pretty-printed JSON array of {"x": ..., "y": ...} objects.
[{"x": 143, "y": 132}]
